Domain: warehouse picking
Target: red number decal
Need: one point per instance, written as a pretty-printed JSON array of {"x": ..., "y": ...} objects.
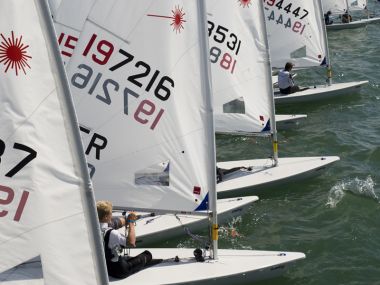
[
  {"x": 104, "y": 48},
  {"x": 9, "y": 198},
  {"x": 147, "y": 108}
]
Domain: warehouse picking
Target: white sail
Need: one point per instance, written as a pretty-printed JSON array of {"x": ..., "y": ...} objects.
[
  {"x": 148, "y": 148},
  {"x": 296, "y": 33},
  {"x": 54, "y": 6},
  {"x": 47, "y": 206},
  {"x": 69, "y": 17},
  {"x": 357, "y": 5},
  {"x": 335, "y": 6},
  {"x": 240, "y": 65}
]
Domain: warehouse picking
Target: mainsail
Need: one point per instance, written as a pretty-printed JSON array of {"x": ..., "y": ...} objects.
[
  {"x": 54, "y": 6},
  {"x": 240, "y": 67},
  {"x": 335, "y": 6},
  {"x": 357, "y": 5},
  {"x": 296, "y": 33},
  {"x": 149, "y": 148},
  {"x": 342, "y": 6},
  {"x": 47, "y": 205}
]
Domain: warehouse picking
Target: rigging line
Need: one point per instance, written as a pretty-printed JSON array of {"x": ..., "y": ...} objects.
[
  {"x": 199, "y": 238},
  {"x": 32, "y": 113}
]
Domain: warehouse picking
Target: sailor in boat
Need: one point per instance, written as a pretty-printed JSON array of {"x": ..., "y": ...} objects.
[
  {"x": 328, "y": 20},
  {"x": 286, "y": 82},
  {"x": 346, "y": 18},
  {"x": 221, "y": 172},
  {"x": 119, "y": 265}
]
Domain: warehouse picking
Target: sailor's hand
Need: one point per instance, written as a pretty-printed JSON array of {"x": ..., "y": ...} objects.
[{"x": 132, "y": 217}]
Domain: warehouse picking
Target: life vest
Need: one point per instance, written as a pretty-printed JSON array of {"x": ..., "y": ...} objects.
[{"x": 115, "y": 268}]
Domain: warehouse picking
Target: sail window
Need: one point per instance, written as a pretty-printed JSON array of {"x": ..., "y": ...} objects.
[
  {"x": 299, "y": 53},
  {"x": 235, "y": 106},
  {"x": 157, "y": 174}
]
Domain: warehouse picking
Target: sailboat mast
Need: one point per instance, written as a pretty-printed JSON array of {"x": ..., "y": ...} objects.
[
  {"x": 347, "y": 7},
  {"x": 204, "y": 48},
  {"x": 366, "y": 9},
  {"x": 270, "y": 93},
  {"x": 328, "y": 62},
  {"x": 88, "y": 197}
]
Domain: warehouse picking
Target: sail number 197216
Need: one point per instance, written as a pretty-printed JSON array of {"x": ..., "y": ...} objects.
[{"x": 141, "y": 76}]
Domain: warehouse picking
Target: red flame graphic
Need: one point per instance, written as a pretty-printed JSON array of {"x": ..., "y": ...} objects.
[
  {"x": 13, "y": 54},
  {"x": 245, "y": 3},
  {"x": 177, "y": 18}
]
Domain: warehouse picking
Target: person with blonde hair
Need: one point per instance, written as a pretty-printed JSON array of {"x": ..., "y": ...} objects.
[{"x": 118, "y": 265}]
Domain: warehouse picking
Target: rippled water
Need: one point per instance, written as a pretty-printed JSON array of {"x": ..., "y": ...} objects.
[{"x": 333, "y": 218}]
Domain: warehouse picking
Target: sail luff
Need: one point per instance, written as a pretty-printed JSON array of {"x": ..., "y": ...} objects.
[
  {"x": 207, "y": 88},
  {"x": 88, "y": 198},
  {"x": 271, "y": 92},
  {"x": 328, "y": 61}
]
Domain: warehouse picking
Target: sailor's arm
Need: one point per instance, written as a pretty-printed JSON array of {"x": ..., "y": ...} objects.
[{"x": 131, "y": 219}]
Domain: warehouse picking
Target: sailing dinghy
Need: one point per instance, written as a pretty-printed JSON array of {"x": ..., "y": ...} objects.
[
  {"x": 47, "y": 216},
  {"x": 147, "y": 126},
  {"x": 69, "y": 21},
  {"x": 238, "y": 57},
  {"x": 191, "y": 183},
  {"x": 339, "y": 7},
  {"x": 244, "y": 99},
  {"x": 296, "y": 33}
]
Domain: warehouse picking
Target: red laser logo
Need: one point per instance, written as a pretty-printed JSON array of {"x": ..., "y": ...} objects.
[
  {"x": 13, "y": 54},
  {"x": 245, "y": 3},
  {"x": 177, "y": 19}
]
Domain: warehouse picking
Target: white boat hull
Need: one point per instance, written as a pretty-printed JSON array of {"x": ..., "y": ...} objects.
[
  {"x": 233, "y": 267},
  {"x": 352, "y": 25},
  {"x": 288, "y": 121},
  {"x": 159, "y": 228},
  {"x": 319, "y": 92},
  {"x": 263, "y": 174}
]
